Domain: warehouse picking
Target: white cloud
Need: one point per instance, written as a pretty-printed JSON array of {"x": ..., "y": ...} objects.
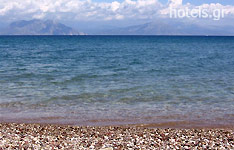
[
  {"x": 115, "y": 5},
  {"x": 175, "y": 3},
  {"x": 78, "y": 9},
  {"x": 89, "y": 10}
]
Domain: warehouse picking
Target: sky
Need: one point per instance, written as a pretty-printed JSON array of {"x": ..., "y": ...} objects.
[
  {"x": 106, "y": 12},
  {"x": 196, "y": 2}
]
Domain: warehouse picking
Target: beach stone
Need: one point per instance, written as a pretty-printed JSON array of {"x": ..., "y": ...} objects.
[
  {"x": 36, "y": 136},
  {"x": 109, "y": 148}
]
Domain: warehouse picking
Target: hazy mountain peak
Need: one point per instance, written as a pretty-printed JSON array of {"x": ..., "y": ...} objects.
[
  {"x": 170, "y": 27},
  {"x": 39, "y": 27}
]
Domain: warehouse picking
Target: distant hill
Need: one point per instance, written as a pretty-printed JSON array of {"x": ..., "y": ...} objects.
[
  {"x": 158, "y": 27},
  {"x": 39, "y": 27},
  {"x": 170, "y": 28}
]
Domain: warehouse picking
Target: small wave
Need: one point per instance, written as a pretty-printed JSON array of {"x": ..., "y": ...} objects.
[
  {"x": 11, "y": 104},
  {"x": 78, "y": 78}
]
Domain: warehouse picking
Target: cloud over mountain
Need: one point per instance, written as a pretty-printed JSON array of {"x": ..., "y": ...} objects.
[
  {"x": 89, "y": 10},
  {"x": 78, "y": 9}
]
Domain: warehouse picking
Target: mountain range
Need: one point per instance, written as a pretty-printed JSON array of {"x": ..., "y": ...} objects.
[
  {"x": 159, "y": 27},
  {"x": 39, "y": 27},
  {"x": 170, "y": 28}
]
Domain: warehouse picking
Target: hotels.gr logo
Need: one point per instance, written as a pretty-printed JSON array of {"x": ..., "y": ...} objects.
[{"x": 199, "y": 12}]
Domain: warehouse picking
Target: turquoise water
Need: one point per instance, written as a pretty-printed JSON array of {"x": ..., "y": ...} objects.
[{"x": 89, "y": 80}]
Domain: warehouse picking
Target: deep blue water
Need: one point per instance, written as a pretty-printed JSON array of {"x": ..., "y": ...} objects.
[{"x": 116, "y": 79}]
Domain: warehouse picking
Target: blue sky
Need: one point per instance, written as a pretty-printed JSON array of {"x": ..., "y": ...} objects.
[
  {"x": 198, "y": 2},
  {"x": 195, "y": 2},
  {"x": 103, "y": 13},
  {"x": 84, "y": 10}
]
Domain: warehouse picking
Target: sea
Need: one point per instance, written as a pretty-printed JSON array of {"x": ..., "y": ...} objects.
[{"x": 117, "y": 80}]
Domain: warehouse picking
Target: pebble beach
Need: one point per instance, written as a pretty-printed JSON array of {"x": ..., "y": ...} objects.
[{"x": 38, "y": 136}]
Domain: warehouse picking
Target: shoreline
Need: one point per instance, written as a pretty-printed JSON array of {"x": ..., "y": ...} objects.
[
  {"x": 196, "y": 124},
  {"x": 37, "y": 136}
]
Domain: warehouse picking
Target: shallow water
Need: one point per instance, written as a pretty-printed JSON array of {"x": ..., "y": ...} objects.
[{"x": 101, "y": 80}]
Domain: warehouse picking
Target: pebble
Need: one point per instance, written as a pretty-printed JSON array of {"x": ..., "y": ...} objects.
[
  {"x": 36, "y": 136},
  {"x": 110, "y": 148}
]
